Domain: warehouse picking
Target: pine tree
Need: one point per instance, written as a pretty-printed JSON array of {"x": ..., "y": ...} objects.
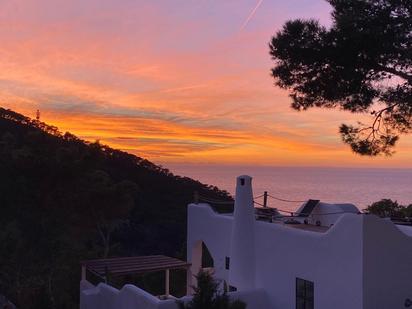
[{"x": 207, "y": 295}]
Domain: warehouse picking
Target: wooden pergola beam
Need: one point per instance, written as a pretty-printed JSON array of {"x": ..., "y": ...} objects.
[{"x": 136, "y": 265}]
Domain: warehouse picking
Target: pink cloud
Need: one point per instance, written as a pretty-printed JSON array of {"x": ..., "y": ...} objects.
[{"x": 178, "y": 74}]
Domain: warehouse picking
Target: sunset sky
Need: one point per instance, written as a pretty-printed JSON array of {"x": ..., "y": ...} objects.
[{"x": 175, "y": 81}]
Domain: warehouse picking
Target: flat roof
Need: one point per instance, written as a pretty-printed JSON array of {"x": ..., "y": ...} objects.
[
  {"x": 309, "y": 227},
  {"x": 133, "y": 265},
  {"x": 304, "y": 227}
]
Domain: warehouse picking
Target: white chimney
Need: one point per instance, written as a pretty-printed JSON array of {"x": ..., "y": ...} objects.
[{"x": 242, "y": 254}]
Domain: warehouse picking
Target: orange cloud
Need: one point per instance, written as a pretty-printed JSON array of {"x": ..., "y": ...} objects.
[{"x": 173, "y": 83}]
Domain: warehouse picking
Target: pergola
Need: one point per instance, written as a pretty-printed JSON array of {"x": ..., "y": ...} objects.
[{"x": 136, "y": 265}]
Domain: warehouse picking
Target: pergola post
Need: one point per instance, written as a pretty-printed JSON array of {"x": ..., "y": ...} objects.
[{"x": 167, "y": 283}]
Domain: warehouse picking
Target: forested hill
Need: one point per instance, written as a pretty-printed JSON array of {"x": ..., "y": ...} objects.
[{"x": 63, "y": 199}]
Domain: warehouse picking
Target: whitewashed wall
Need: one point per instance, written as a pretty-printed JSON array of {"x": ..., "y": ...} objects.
[
  {"x": 104, "y": 296},
  {"x": 331, "y": 260},
  {"x": 387, "y": 263},
  {"x": 362, "y": 262},
  {"x": 207, "y": 226}
]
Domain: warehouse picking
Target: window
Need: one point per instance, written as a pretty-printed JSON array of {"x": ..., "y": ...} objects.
[
  {"x": 207, "y": 259},
  {"x": 304, "y": 294},
  {"x": 227, "y": 262}
]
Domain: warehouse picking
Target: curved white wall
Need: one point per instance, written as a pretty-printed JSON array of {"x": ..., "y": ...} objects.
[
  {"x": 104, "y": 296},
  {"x": 361, "y": 262}
]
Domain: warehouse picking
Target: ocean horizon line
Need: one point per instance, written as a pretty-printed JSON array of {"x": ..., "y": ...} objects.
[{"x": 185, "y": 164}]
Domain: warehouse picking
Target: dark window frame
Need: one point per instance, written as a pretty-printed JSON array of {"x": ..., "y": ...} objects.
[
  {"x": 227, "y": 263},
  {"x": 305, "y": 294}
]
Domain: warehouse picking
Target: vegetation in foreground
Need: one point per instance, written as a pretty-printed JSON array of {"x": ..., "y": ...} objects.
[
  {"x": 207, "y": 295},
  {"x": 64, "y": 200}
]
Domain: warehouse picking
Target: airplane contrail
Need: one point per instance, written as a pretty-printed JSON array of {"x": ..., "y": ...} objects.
[{"x": 251, "y": 15}]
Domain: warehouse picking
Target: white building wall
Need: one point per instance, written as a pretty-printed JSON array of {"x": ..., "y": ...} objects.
[
  {"x": 104, "y": 296},
  {"x": 331, "y": 260},
  {"x": 361, "y": 262},
  {"x": 215, "y": 231},
  {"x": 387, "y": 264}
]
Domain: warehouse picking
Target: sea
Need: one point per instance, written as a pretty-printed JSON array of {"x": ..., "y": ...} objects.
[{"x": 359, "y": 186}]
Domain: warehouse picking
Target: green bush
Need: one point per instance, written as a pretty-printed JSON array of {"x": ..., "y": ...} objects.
[
  {"x": 387, "y": 208},
  {"x": 207, "y": 295}
]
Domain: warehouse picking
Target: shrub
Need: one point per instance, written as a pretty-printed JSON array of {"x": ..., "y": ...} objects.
[{"x": 207, "y": 295}]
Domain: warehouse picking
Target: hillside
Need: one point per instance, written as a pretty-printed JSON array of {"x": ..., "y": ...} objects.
[{"x": 63, "y": 199}]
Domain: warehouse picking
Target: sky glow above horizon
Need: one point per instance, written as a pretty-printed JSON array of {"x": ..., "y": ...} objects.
[{"x": 176, "y": 81}]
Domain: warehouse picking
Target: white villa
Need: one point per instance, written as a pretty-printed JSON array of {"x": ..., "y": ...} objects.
[{"x": 327, "y": 256}]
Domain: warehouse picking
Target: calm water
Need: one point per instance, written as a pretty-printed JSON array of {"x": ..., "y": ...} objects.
[{"x": 353, "y": 185}]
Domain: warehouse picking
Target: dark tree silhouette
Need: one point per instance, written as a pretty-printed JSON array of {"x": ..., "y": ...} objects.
[
  {"x": 63, "y": 200},
  {"x": 207, "y": 295},
  {"x": 361, "y": 64},
  {"x": 387, "y": 208}
]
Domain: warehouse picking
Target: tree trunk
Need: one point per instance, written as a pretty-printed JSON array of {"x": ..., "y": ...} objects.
[{"x": 105, "y": 237}]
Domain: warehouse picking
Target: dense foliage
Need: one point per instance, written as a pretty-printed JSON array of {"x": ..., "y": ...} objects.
[
  {"x": 207, "y": 295},
  {"x": 387, "y": 208},
  {"x": 361, "y": 64},
  {"x": 63, "y": 200}
]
